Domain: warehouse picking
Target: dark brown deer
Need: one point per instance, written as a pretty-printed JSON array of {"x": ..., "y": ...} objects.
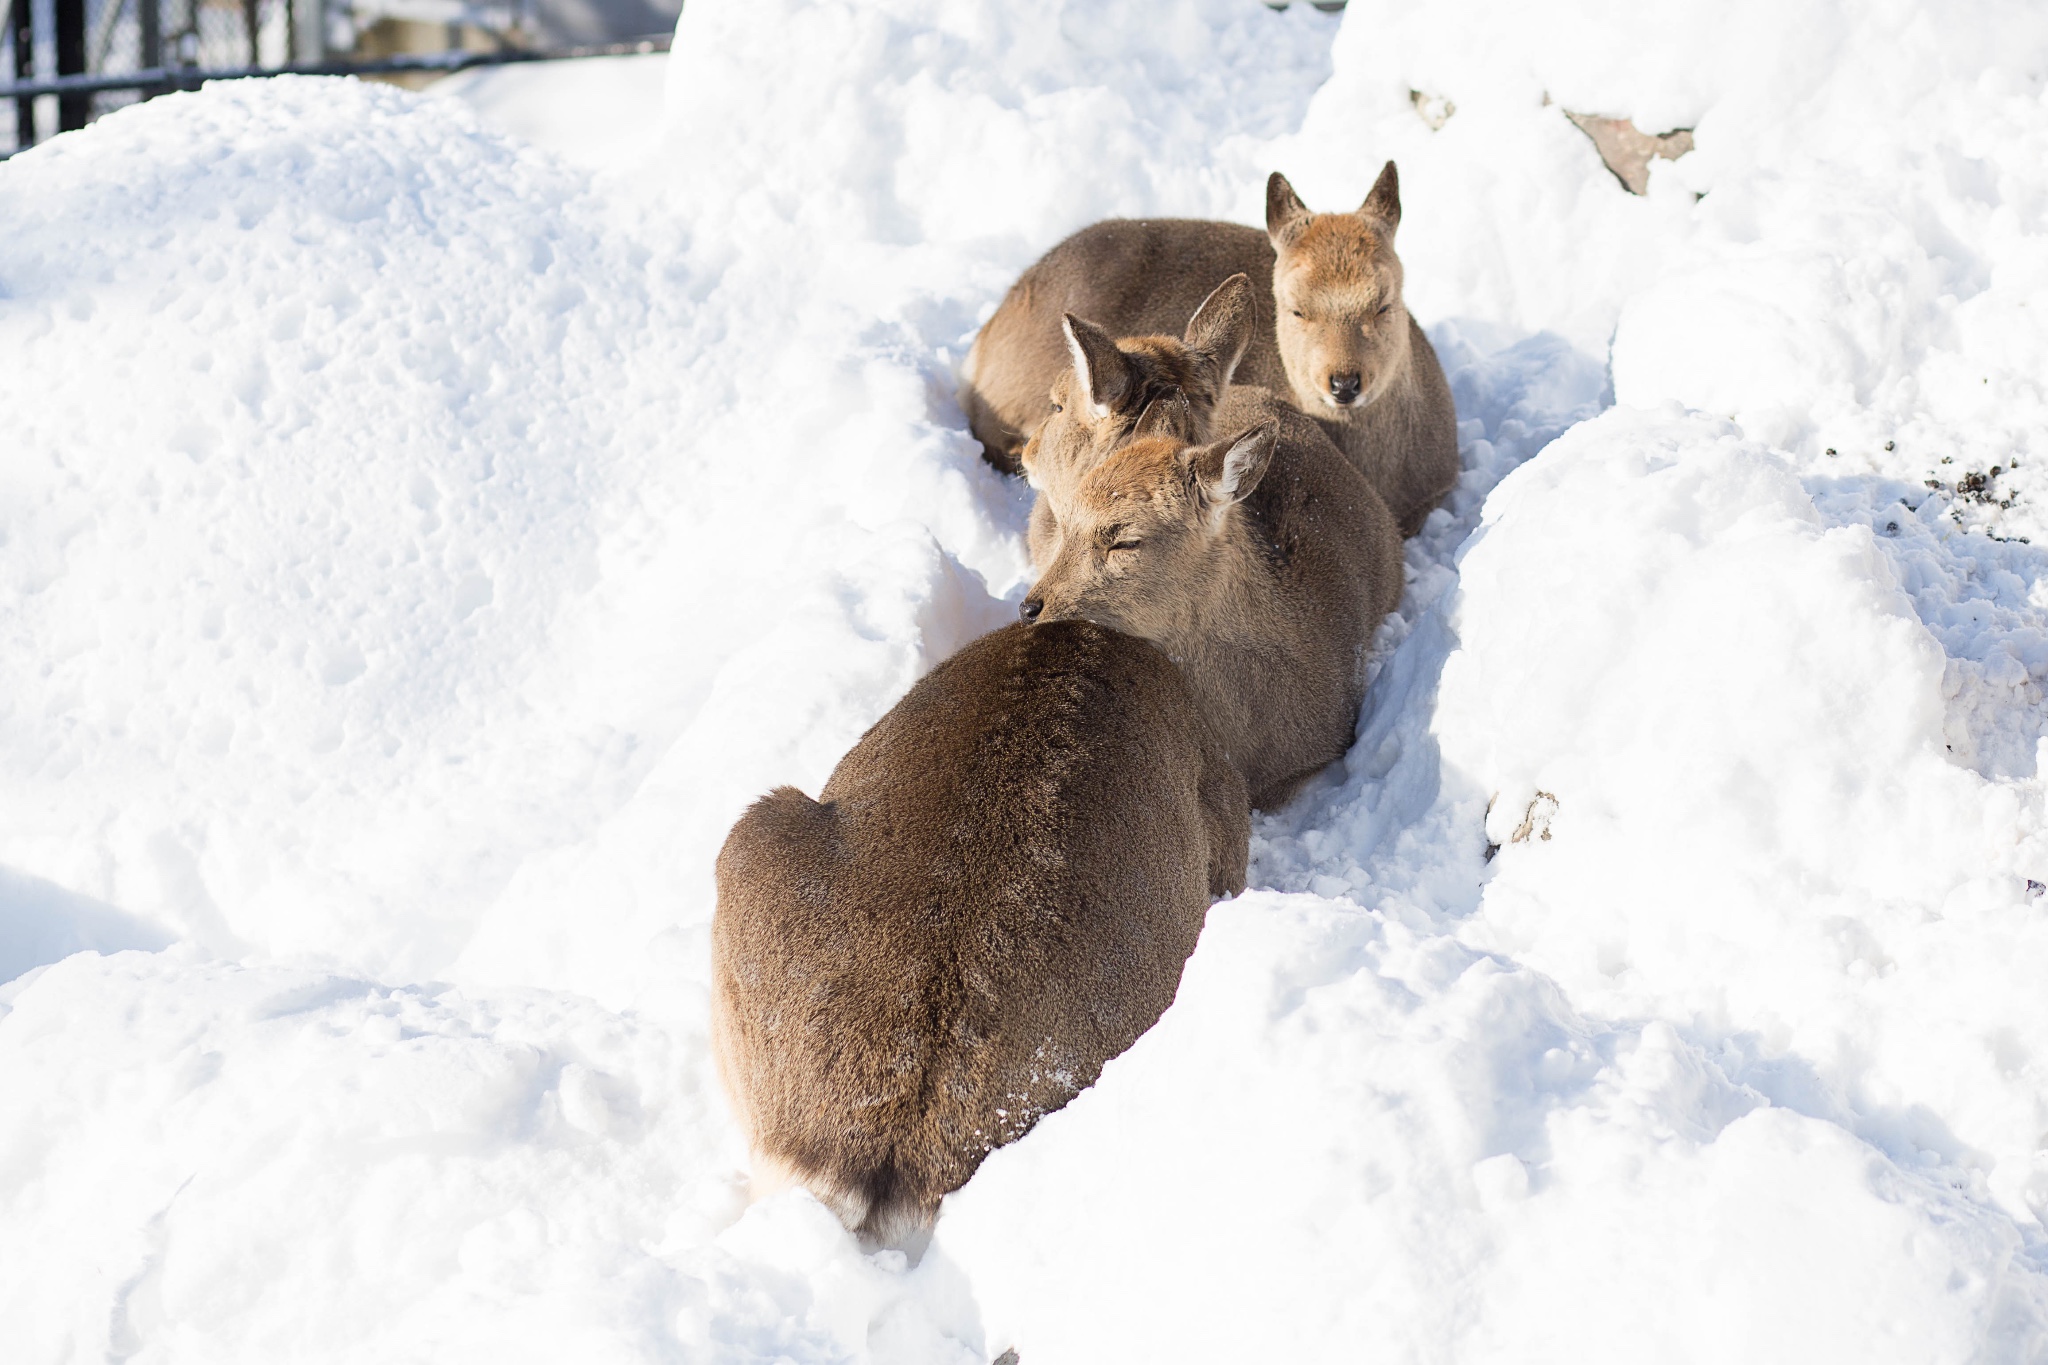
[{"x": 994, "y": 895}]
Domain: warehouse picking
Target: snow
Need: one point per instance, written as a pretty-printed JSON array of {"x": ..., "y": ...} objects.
[
  {"x": 428, "y": 521},
  {"x": 600, "y": 113}
]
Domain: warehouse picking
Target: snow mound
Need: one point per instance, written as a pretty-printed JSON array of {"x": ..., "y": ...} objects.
[
  {"x": 282, "y": 608},
  {"x": 1349, "y": 1131},
  {"x": 1736, "y": 808},
  {"x": 488, "y": 1171}
]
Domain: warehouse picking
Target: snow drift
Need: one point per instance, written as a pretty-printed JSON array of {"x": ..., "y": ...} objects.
[{"x": 418, "y": 549}]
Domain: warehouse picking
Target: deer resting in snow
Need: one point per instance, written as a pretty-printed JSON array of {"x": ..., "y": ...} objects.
[
  {"x": 1261, "y": 564},
  {"x": 994, "y": 895},
  {"x": 1115, "y": 391},
  {"x": 1332, "y": 333}
]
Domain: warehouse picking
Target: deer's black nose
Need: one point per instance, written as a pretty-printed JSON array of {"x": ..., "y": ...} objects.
[
  {"x": 1344, "y": 387},
  {"x": 1033, "y": 605}
]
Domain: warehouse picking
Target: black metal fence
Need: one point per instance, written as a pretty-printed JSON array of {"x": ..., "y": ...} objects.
[
  {"x": 72, "y": 60},
  {"x": 116, "y": 38}
]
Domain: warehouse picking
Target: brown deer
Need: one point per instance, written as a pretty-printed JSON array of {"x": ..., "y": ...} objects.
[
  {"x": 1332, "y": 333},
  {"x": 1116, "y": 390},
  {"x": 994, "y": 895},
  {"x": 1261, "y": 564}
]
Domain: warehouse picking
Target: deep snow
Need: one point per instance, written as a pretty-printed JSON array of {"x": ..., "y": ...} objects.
[{"x": 415, "y": 549}]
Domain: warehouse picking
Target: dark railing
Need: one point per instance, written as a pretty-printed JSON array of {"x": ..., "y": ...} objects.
[
  {"x": 163, "y": 80},
  {"x": 21, "y": 35},
  {"x": 95, "y": 55}
]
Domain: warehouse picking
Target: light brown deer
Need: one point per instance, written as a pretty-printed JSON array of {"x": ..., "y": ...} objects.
[
  {"x": 994, "y": 895},
  {"x": 1332, "y": 333},
  {"x": 1115, "y": 390},
  {"x": 1261, "y": 564}
]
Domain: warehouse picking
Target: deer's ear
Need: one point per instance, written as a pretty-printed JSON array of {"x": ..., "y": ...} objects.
[
  {"x": 1104, "y": 373},
  {"x": 1285, "y": 213},
  {"x": 1227, "y": 471},
  {"x": 1384, "y": 203},
  {"x": 1222, "y": 327}
]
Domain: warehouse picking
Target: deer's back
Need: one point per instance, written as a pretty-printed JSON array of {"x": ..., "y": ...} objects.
[
  {"x": 1332, "y": 558},
  {"x": 995, "y": 894},
  {"x": 1134, "y": 277}
]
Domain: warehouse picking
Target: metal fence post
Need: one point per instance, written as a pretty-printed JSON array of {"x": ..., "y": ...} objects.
[
  {"x": 21, "y": 25},
  {"x": 73, "y": 111}
]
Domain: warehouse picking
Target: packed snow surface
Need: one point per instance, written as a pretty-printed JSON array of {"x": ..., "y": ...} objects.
[{"x": 416, "y": 547}]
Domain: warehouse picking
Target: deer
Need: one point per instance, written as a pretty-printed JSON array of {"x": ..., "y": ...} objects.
[
  {"x": 994, "y": 894},
  {"x": 1332, "y": 335},
  {"x": 1260, "y": 563},
  {"x": 1115, "y": 390}
]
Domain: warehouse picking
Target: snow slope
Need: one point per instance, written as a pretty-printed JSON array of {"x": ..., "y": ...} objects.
[
  {"x": 601, "y": 113},
  {"x": 417, "y": 549}
]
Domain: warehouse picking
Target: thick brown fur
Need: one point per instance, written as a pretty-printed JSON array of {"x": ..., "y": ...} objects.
[
  {"x": 1261, "y": 564},
  {"x": 1338, "y": 271},
  {"x": 993, "y": 896}
]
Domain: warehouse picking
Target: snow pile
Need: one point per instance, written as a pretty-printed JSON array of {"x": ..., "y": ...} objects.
[
  {"x": 418, "y": 549},
  {"x": 287, "y": 544},
  {"x": 1351, "y": 1131}
]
